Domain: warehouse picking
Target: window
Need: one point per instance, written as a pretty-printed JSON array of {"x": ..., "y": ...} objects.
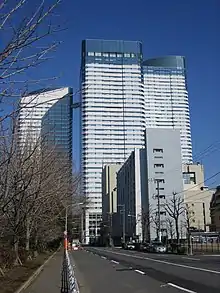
[
  {"x": 162, "y": 196},
  {"x": 189, "y": 178},
  {"x": 160, "y": 188},
  {"x": 159, "y": 173},
  {"x": 159, "y": 180},
  {"x": 158, "y": 165},
  {"x": 98, "y": 54},
  {"x": 158, "y": 157},
  {"x": 158, "y": 151},
  {"x": 90, "y": 53}
]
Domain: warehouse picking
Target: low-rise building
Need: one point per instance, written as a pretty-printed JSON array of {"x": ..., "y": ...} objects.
[
  {"x": 146, "y": 185},
  {"x": 131, "y": 196},
  {"x": 215, "y": 211},
  {"x": 197, "y": 197},
  {"x": 109, "y": 189},
  {"x": 164, "y": 179}
]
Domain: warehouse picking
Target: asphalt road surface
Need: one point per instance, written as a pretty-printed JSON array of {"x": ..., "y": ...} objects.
[
  {"x": 131, "y": 271},
  {"x": 96, "y": 274}
]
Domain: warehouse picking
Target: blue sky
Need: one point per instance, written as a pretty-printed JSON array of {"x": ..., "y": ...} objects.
[{"x": 190, "y": 28}]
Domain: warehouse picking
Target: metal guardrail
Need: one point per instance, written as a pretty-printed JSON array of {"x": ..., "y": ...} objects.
[{"x": 68, "y": 280}]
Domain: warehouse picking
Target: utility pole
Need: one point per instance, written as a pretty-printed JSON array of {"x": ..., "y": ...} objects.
[
  {"x": 65, "y": 231},
  {"x": 188, "y": 233},
  {"x": 204, "y": 217},
  {"x": 82, "y": 226},
  {"x": 158, "y": 210}
]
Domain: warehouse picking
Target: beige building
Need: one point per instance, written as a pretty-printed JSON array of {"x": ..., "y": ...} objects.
[
  {"x": 215, "y": 210},
  {"x": 197, "y": 197},
  {"x": 109, "y": 190}
]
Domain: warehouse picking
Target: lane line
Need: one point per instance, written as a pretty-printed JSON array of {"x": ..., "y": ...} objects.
[
  {"x": 140, "y": 272},
  {"x": 103, "y": 257},
  {"x": 190, "y": 258},
  {"x": 180, "y": 288},
  {"x": 114, "y": 261},
  {"x": 169, "y": 263}
]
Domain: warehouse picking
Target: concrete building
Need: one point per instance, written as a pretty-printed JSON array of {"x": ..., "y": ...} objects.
[
  {"x": 166, "y": 98},
  {"x": 197, "y": 197},
  {"x": 215, "y": 211},
  {"x": 109, "y": 190},
  {"x": 138, "y": 181},
  {"x": 112, "y": 114},
  {"x": 164, "y": 168},
  {"x": 131, "y": 197}
]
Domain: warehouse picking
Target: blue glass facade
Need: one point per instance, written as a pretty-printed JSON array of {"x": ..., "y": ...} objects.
[{"x": 56, "y": 126}]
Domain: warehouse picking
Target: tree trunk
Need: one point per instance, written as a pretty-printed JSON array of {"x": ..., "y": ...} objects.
[
  {"x": 16, "y": 247},
  {"x": 177, "y": 231},
  {"x": 27, "y": 244},
  {"x": 35, "y": 245}
]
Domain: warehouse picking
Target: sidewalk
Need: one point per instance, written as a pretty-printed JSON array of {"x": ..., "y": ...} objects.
[{"x": 49, "y": 280}]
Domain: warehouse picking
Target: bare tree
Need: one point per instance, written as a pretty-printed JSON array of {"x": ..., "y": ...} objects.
[
  {"x": 175, "y": 208},
  {"x": 170, "y": 227},
  {"x": 27, "y": 44},
  {"x": 36, "y": 184}
]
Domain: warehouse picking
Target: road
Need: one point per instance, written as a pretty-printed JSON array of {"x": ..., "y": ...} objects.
[
  {"x": 117, "y": 270},
  {"x": 96, "y": 274}
]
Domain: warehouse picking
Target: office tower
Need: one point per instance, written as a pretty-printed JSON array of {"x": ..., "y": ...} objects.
[
  {"x": 166, "y": 98},
  {"x": 46, "y": 115},
  {"x": 112, "y": 115}
]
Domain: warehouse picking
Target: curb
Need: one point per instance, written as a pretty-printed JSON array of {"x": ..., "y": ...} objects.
[{"x": 35, "y": 274}]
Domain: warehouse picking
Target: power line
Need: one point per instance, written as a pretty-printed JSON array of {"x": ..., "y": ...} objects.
[{"x": 199, "y": 183}]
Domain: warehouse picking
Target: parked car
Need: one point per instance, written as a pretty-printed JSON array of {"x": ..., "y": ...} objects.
[
  {"x": 157, "y": 247},
  {"x": 144, "y": 247},
  {"x": 130, "y": 246}
]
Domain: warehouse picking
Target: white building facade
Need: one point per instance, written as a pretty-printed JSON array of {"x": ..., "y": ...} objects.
[
  {"x": 34, "y": 106},
  {"x": 112, "y": 115},
  {"x": 166, "y": 98}
]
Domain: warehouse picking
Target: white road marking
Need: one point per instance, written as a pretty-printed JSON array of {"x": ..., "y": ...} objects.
[
  {"x": 213, "y": 255},
  {"x": 169, "y": 263},
  {"x": 115, "y": 261},
  {"x": 191, "y": 258},
  {"x": 180, "y": 288},
  {"x": 103, "y": 257},
  {"x": 140, "y": 272}
]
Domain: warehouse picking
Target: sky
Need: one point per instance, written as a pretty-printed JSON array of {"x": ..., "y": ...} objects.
[{"x": 166, "y": 27}]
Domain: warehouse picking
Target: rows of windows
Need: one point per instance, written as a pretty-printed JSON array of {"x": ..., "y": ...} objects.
[{"x": 118, "y": 55}]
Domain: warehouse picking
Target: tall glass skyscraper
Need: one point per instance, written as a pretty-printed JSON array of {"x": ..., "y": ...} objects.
[
  {"x": 47, "y": 114},
  {"x": 56, "y": 127},
  {"x": 166, "y": 98},
  {"x": 112, "y": 115}
]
